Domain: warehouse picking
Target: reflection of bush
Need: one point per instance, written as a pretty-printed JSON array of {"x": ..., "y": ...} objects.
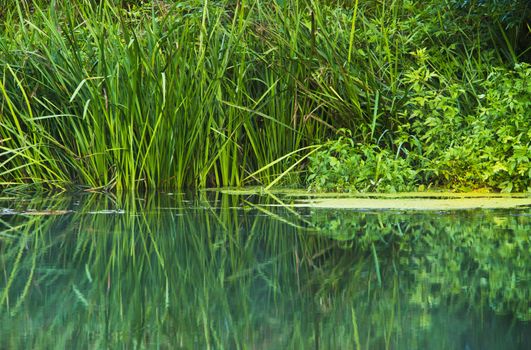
[{"x": 480, "y": 254}]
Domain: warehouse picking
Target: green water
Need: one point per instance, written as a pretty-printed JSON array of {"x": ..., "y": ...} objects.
[{"x": 227, "y": 271}]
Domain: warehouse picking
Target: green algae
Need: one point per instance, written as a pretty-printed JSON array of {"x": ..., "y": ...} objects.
[
  {"x": 417, "y": 203},
  {"x": 430, "y": 200}
]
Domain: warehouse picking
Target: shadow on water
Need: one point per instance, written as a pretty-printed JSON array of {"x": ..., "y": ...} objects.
[{"x": 228, "y": 271}]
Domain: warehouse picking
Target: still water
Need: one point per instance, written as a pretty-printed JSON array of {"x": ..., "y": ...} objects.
[{"x": 222, "y": 271}]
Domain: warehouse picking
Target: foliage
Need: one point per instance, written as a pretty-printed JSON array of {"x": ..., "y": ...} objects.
[
  {"x": 449, "y": 140},
  {"x": 134, "y": 95},
  {"x": 169, "y": 98},
  {"x": 488, "y": 146},
  {"x": 510, "y": 12},
  {"x": 345, "y": 166}
]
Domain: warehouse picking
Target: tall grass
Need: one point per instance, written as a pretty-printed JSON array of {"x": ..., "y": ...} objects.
[{"x": 166, "y": 97}]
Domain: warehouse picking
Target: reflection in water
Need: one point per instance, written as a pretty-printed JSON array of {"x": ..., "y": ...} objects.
[{"x": 222, "y": 271}]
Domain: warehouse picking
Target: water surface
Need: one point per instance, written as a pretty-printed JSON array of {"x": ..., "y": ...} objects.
[{"x": 228, "y": 271}]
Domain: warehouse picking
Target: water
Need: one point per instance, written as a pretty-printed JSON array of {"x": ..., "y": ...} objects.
[{"x": 232, "y": 271}]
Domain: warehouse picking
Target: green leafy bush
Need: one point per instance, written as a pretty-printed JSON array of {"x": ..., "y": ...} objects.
[
  {"x": 486, "y": 147},
  {"x": 506, "y": 113},
  {"x": 343, "y": 165},
  {"x": 452, "y": 139}
]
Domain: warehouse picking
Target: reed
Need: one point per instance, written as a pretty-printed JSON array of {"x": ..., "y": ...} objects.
[{"x": 169, "y": 99}]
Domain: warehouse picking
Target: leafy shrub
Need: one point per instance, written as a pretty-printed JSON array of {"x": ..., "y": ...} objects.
[
  {"x": 344, "y": 165},
  {"x": 488, "y": 147},
  {"x": 507, "y": 114}
]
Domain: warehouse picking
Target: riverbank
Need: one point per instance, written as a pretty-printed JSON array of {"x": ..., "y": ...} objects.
[{"x": 372, "y": 96}]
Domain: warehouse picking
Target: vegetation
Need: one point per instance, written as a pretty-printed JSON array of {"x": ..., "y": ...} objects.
[{"x": 386, "y": 95}]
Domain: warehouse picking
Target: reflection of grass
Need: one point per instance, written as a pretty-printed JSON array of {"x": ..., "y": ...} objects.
[{"x": 208, "y": 274}]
